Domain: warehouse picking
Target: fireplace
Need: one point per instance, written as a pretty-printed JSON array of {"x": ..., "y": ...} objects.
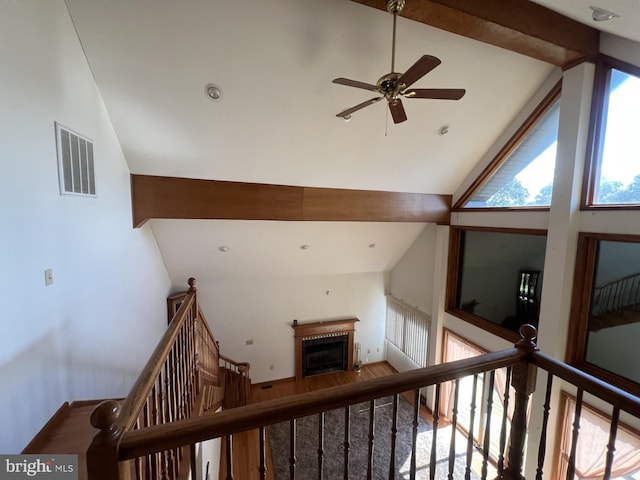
[
  {"x": 325, "y": 354},
  {"x": 323, "y": 347}
]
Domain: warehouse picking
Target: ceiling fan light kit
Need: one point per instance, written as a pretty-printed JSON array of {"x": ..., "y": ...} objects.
[{"x": 394, "y": 85}]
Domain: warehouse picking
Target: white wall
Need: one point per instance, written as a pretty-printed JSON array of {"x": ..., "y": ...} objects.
[
  {"x": 411, "y": 279},
  {"x": 620, "y": 48},
  {"x": 87, "y": 335},
  {"x": 263, "y": 310},
  {"x": 398, "y": 359}
]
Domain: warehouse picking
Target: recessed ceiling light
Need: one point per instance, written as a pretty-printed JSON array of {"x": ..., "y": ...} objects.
[
  {"x": 601, "y": 15},
  {"x": 223, "y": 248},
  {"x": 213, "y": 91}
]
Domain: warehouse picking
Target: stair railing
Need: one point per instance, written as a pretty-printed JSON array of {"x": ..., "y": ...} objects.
[
  {"x": 185, "y": 359},
  {"x": 617, "y": 295},
  {"x": 109, "y": 459},
  {"x": 236, "y": 381},
  {"x": 114, "y": 448}
]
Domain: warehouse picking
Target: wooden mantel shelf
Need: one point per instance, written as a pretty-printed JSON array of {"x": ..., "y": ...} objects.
[
  {"x": 308, "y": 330},
  {"x": 321, "y": 328}
]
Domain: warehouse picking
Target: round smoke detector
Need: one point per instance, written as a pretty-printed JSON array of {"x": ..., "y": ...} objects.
[{"x": 213, "y": 91}]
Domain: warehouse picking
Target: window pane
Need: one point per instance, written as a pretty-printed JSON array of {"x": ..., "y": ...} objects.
[
  {"x": 619, "y": 175},
  {"x": 501, "y": 277},
  {"x": 592, "y": 446},
  {"x": 526, "y": 176},
  {"x": 614, "y": 320}
]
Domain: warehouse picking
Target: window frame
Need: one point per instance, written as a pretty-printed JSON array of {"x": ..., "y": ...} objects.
[
  {"x": 595, "y": 142},
  {"x": 505, "y": 152},
  {"x": 483, "y": 392},
  {"x": 584, "y": 275},
  {"x": 481, "y": 351},
  {"x": 454, "y": 279},
  {"x": 562, "y": 425}
]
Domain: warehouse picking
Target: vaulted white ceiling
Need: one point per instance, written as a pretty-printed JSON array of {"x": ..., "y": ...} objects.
[
  {"x": 276, "y": 120},
  {"x": 276, "y": 123}
]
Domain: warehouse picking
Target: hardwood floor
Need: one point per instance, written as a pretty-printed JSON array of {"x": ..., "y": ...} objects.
[
  {"x": 245, "y": 448},
  {"x": 282, "y": 388}
]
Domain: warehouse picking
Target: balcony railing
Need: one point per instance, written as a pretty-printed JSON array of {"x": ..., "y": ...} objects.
[{"x": 119, "y": 451}]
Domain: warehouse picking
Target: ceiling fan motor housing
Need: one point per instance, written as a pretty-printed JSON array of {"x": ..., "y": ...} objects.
[{"x": 388, "y": 85}]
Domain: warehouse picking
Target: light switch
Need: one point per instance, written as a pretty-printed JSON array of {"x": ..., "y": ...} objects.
[{"x": 48, "y": 276}]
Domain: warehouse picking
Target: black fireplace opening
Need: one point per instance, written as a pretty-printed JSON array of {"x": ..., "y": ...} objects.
[{"x": 325, "y": 354}]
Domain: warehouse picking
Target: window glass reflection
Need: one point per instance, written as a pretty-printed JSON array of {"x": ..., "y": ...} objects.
[
  {"x": 614, "y": 320},
  {"x": 501, "y": 277}
]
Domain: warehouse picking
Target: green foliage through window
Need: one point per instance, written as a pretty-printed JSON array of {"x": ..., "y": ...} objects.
[
  {"x": 618, "y": 180},
  {"x": 525, "y": 176}
]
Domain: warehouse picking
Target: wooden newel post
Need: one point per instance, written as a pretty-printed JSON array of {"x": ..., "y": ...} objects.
[
  {"x": 102, "y": 455},
  {"x": 523, "y": 380}
]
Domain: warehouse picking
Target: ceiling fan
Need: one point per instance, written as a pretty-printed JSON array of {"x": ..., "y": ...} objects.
[{"x": 394, "y": 85}]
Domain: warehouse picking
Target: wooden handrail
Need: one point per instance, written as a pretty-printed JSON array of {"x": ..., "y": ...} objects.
[
  {"x": 613, "y": 395},
  {"x": 240, "y": 366},
  {"x": 205, "y": 324},
  {"x": 180, "y": 380},
  {"x": 184, "y": 432},
  {"x": 165, "y": 391},
  {"x": 131, "y": 406},
  {"x": 160, "y": 446}
]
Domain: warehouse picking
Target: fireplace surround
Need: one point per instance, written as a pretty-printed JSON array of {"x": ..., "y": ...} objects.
[{"x": 322, "y": 347}]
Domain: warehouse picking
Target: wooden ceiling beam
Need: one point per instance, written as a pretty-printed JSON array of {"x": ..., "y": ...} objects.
[
  {"x": 186, "y": 198},
  {"x": 518, "y": 25}
]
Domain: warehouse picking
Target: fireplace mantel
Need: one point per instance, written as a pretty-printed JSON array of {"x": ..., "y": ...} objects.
[{"x": 317, "y": 329}]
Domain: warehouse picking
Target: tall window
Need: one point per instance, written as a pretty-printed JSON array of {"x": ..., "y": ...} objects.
[
  {"x": 495, "y": 278},
  {"x": 521, "y": 175},
  {"x": 613, "y": 174},
  {"x": 591, "y": 447},
  {"x": 459, "y": 348},
  {"x": 605, "y": 314},
  {"x": 408, "y": 329}
]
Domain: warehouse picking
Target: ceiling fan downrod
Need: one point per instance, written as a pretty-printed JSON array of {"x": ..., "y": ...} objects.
[{"x": 394, "y": 7}]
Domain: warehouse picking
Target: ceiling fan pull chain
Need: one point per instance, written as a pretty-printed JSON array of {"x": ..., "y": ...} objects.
[{"x": 386, "y": 122}]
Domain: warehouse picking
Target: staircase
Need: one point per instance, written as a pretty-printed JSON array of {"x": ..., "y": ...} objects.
[
  {"x": 154, "y": 432},
  {"x": 616, "y": 303},
  {"x": 186, "y": 377}
]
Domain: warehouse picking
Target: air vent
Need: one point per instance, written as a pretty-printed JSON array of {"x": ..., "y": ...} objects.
[{"x": 75, "y": 163}]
